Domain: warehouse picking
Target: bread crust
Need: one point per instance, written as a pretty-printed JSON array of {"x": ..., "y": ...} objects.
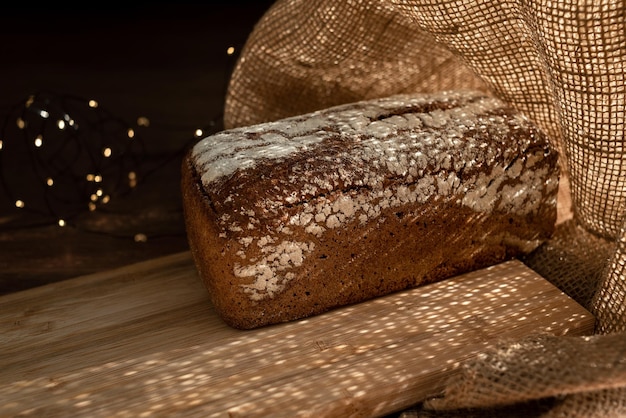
[{"x": 307, "y": 221}]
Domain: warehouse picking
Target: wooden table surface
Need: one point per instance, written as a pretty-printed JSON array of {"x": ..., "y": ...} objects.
[
  {"x": 164, "y": 61},
  {"x": 144, "y": 340}
]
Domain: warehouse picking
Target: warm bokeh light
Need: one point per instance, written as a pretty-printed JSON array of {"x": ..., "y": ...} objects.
[{"x": 143, "y": 121}]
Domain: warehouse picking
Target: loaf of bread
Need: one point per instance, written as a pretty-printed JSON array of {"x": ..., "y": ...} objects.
[{"x": 292, "y": 218}]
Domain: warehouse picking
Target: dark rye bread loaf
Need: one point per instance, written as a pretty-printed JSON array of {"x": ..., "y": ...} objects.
[{"x": 292, "y": 218}]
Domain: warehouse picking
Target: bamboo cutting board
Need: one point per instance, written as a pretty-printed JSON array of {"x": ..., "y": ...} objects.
[{"x": 144, "y": 341}]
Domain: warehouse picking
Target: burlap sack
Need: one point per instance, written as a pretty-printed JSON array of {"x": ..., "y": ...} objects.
[{"x": 560, "y": 62}]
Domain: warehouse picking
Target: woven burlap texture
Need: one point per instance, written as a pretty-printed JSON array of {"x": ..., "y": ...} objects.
[{"x": 561, "y": 63}]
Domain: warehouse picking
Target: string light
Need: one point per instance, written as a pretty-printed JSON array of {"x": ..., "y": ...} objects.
[
  {"x": 60, "y": 173},
  {"x": 87, "y": 159},
  {"x": 87, "y": 155}
]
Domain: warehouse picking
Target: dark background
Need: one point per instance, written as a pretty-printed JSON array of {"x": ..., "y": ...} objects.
[{"x": 165, "y": 61}]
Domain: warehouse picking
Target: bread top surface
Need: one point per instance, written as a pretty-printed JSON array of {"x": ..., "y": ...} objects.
[
  {"x": 395, "y": 133},
  {"x": 276, "y": 189}
]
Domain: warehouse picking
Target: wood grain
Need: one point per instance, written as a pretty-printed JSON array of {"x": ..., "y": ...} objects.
[{"x": 144, "y": 341}]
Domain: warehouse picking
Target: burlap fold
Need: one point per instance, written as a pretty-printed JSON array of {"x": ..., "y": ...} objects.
[
  {"x": 525, "y": 370},
  {"x": 561, "y": 63}
]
